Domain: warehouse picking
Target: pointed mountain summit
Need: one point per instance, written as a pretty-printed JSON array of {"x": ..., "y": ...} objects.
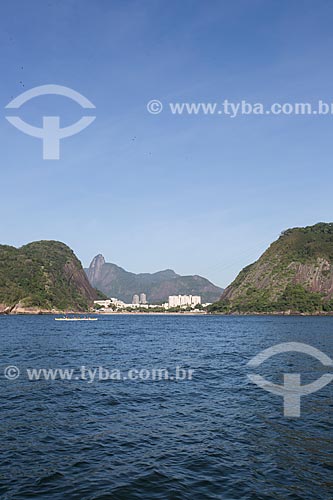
[{"x": 94, "y": 272}]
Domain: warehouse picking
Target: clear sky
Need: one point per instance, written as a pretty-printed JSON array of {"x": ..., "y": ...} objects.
[{"x": 198, "y": 194}]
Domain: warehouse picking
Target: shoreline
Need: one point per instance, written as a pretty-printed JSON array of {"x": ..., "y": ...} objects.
[{"x": 43, "y": 312}]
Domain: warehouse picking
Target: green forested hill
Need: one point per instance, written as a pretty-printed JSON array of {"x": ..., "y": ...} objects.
[
  {"x": 43, "y": 274},
  {"x": 294, "y": 274}
]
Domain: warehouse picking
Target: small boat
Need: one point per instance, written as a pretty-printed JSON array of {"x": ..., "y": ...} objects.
[{"x": 75, "y": 319}]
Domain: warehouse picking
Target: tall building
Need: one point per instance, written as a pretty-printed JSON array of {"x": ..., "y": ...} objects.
[
  {"x": 136, "y": 299},
  {"x": 143, "y": 298}
]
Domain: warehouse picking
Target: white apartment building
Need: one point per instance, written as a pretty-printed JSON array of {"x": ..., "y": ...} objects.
[{"x": 183, "y": 300}]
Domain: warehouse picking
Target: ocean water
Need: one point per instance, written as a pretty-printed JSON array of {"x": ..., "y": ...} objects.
[{"x": 215, "y": 436}]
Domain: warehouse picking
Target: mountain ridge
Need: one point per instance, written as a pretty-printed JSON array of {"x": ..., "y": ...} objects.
[{"x": 115, "y": 281}]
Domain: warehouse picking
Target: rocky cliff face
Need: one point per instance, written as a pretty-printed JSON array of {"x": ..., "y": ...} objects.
[
  {"x": 95, "y": 270},
  {"x": 116, "y": 282},
  {"x": 298, "y": 268},
  {"x": 43, "y": 276}
]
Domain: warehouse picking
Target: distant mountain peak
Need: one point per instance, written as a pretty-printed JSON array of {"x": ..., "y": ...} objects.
[
  {"x": 98, "y": 260},
  {"x": 95, "y": 268}
]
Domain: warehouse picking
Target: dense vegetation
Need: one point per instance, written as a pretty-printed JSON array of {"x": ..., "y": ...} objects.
[
  {"x": 295, "y": 274},
  {"x": 44, "y": 274},
  {"x": 294, "y": 299}
]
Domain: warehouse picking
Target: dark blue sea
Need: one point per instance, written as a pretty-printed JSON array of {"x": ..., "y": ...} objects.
[{"x": 214, "y": 436}]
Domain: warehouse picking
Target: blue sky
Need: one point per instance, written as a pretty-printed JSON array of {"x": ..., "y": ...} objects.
[{"x": 198, "y": 194}]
